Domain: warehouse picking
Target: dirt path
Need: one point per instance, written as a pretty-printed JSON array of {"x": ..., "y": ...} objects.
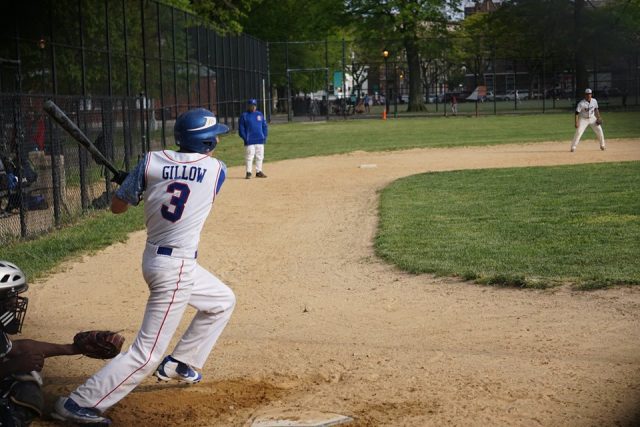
[{"x": 322, "y": 324}]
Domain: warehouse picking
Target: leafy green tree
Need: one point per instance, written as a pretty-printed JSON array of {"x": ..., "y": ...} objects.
[
  {"x": 571, "y": 33},
  {"x": 314, "y": 26},
  {"x": 406, "y": 25},
  {"x": 223, "y": 15}
]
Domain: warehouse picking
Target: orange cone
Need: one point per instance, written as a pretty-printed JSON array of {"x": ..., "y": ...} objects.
[{"x": 384, "y": 114}]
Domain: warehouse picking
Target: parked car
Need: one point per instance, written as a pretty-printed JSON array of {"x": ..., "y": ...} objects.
[
  {"x": 522, "y": 95},
  {"x": 499, "y": 97},
  {"x": 405, "y": 99},
  {"x": 488, "y": 97}
]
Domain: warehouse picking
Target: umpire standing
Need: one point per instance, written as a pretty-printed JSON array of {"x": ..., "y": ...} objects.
[{"x": 252, "y": 128}]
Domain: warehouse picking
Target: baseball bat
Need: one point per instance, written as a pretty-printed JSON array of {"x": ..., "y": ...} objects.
[{"x": 72, "y": 129}]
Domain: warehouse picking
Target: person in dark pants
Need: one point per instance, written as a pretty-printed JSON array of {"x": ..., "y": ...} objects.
[
  {"x": 252, "y": 128},
  {"x": 21, "y": 361}
]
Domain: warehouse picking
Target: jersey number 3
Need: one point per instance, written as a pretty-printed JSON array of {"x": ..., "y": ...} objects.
[{"x": 178, "y": 202}]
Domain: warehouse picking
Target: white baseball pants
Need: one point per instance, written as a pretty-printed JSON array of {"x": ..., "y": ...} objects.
[
  {"x": 251, "y": 151},
  {"x": 582, "y": 125},
  {"x": 173, "y": 284}
]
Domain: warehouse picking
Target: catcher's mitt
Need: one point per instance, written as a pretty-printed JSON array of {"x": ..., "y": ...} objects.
[
  {"x": 98, "y": 344},
  {"x": 598, "y": 122}
]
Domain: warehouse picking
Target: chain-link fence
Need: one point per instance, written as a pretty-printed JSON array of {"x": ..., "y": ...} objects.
[
  {"x": 129, "y": 48},
  {"x": 46, "y": 178},
  {"x": 349, "y": 79},
  {"x": 123, "y": 70}
]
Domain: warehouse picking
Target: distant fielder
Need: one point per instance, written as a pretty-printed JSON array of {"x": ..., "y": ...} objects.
[
  {"x": 252, "y": 128},
  {"x": 178, "y": 189},
  {"x": 587, "y": 114}
]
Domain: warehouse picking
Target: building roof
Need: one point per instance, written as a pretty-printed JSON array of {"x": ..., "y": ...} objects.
[{"x": 486, "y": 6}]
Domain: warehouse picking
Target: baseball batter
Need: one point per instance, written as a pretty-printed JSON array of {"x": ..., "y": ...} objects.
[
  {"x": 588, "y": 114},
  {"x": 178, "y": 189}
]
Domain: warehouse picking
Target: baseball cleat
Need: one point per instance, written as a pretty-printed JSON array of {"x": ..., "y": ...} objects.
[
  {"x": 171, "y": 369},
  {"x": 602, "y": 147},
  {"x": 573, "y": 149},
  {"x": 260, "y": 175},
  {"x": 66, "y": 409},
  {"x": 248, "y": 175}
]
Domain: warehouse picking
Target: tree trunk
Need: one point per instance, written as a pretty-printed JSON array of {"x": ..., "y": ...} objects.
[
  {"x": 415, "y": 81},
  {"x": 582, "y": 77}
]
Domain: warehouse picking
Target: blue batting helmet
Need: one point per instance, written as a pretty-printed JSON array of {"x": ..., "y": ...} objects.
[
  {"x": 196, "y": 130},
  {"x": 252, "y": 101}
]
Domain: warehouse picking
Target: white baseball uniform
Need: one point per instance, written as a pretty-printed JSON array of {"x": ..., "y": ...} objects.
[
  {"x": 586, "y": 110},
  {"x": 179, "y": 190}
]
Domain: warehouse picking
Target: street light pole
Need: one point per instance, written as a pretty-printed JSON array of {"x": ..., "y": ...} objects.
[{"x": 385, "y": 55}]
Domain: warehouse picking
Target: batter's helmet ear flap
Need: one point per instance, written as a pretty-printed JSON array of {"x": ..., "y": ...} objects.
[{"x": 196, "y": 131}]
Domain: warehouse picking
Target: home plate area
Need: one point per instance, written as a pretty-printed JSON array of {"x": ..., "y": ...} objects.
[{"x": 297, "y": 418}]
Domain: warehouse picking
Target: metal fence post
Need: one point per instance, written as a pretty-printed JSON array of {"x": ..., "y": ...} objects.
[
  {"x": 82, "y": 156},
  {"x": 54, "y": 143},
  {"x": 19, "y": 140},
  {"x": 143, "y": 127},
  {"x": 126, "y": 48},
  {"x": 342, "y": 102},
  {"x": 162, "y": 118},
  {"x": 269, "y": 83},
  {"x": 286, "y": 54},
  {"x": 175, "y": 65}
]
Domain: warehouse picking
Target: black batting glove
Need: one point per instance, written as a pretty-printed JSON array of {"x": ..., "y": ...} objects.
[{"x": 119, "y": 177}]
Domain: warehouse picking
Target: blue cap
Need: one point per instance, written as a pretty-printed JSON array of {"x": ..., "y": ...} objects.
[{"x": 252, "y": 101}]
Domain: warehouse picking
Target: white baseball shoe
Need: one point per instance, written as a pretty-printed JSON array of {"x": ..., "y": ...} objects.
[
  {"x": 172, "y": 369},
  {"x": 66, "y": 409}
]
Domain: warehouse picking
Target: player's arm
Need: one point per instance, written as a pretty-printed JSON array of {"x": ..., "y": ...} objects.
[
  {"x": 241, "y": 127},
  {"x": 577, "y": 119},
  {"x": 596, "y": 111},
  {"x": 22, "y": 348},
  {"x": 130, "y": 192},
  {"x": 29, "y": 355},
  {"x": 265, "y": 129}
]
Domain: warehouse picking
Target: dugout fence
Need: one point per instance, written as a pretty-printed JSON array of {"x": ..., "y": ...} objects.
[
  {"x": 123, "y": 70},
  {"x": 46, "y": 178},
  {"x": 129, "y": 48}
]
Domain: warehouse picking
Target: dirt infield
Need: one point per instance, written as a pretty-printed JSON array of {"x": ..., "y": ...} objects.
[{"x": 323, "y": 324}]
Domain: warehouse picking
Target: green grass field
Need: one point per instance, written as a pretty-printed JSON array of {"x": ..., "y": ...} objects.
[
  {"x": 526, "y": 227},
  {"x": 288, "y": 141},
  {"x": 338, "y": 136}
]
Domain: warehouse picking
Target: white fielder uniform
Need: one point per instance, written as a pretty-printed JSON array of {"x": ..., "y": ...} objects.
[
  {"x": 179, "y": 190},
  {"x": 586, "y": 111}
]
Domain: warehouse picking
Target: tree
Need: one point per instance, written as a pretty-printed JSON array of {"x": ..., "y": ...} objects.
[
  {"x": 223, "y": 15},
  {"x": 410, "y": 23},
  {"x": 569, "y": 32},
  {"x": 299, "y": 33}
]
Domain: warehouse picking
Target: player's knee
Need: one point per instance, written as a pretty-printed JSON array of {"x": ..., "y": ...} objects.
[{"x": 227, "y": 303}]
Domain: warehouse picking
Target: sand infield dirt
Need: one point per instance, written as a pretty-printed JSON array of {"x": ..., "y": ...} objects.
[{"x": 323, "y": 324}]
